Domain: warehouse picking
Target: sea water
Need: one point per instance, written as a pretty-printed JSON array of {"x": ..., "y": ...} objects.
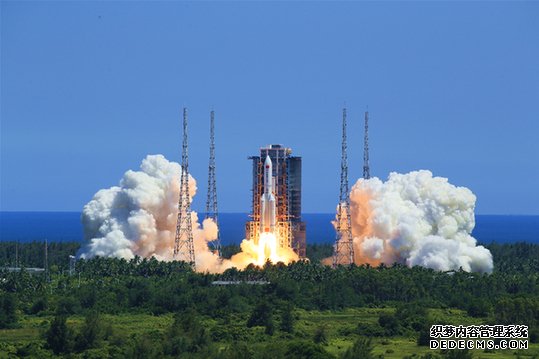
[{"x": 66, "y": 226}]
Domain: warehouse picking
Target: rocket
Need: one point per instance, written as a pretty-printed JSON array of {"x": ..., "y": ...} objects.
[{"x": 267, "y": 201}]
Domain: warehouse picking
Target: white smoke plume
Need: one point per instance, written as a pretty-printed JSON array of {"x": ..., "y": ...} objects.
[
  {"x": 139, "y": 217},
  {"x": 416, "y": 219}
]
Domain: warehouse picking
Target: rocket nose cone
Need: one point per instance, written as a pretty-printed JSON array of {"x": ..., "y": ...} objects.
[{"x": 268, "y": 161}]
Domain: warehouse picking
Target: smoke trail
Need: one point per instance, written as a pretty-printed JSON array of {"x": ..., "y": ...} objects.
[
  {"x": 139, "y": 216},
  {"x": 416, "y": 219}
]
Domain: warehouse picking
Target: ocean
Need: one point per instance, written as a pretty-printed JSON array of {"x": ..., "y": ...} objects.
[{"x": 66, "y": 226}]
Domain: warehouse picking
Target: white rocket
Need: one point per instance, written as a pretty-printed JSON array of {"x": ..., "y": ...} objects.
[{"x": 267, "y": 201}]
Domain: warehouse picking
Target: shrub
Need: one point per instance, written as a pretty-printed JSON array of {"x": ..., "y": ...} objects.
[
  {"x": 8, "y": 314},
  {"x": 362, "y": 348},
  {"x": 59, "y": 336},
  {"x": 320, "y": 335}
]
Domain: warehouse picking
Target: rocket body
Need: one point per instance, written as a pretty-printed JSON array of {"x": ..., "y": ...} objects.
[{"x": 267, "y": 201}]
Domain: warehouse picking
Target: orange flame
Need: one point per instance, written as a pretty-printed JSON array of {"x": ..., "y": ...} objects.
[{"x": 259, "y": 253}]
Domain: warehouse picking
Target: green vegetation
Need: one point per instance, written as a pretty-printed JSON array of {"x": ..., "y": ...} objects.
[
  {"x": 8, "y": 306},
  {"x": 144, "y": 308},
  {"x": 32, "y": 254}
]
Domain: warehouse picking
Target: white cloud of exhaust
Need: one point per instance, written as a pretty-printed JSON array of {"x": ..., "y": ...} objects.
[
  {"x": 416, "y": 219},
  {"x": 139, "y": 217}
]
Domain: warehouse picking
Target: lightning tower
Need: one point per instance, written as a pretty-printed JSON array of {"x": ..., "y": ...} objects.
[
  {"x": 183, "y": 246},
  {"x": 366, "y": 169},
  {"x": 343, "y": 250},
  {"x": 211, "y": 200},
  {"x": 47, "y": 273}
]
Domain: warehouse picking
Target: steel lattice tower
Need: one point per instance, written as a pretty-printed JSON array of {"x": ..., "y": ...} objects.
[
  {"x": 366, "y": 169},
  {"x": 47, "y": 273},
  {"x": 343, "y": 250},
  {"x": 183, "y": 245},
  {"x": 211, "y": 200}
]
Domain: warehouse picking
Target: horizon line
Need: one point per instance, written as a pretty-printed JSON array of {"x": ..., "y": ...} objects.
[{"x": 247, "y": 213}]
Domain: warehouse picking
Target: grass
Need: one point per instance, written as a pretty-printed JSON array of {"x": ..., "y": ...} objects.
[
  {"x": 339, "y": 325},
  {"x": 340, "y": 328}
]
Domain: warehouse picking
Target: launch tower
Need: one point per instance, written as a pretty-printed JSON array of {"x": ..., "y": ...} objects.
[
  {"x": 211, "y": 199},
  {"x": 343, "y": 250},
  {"x": 366, "y": 169},
  {"x": 286, "y": 172},
  {"x": 184, "y": 248}
]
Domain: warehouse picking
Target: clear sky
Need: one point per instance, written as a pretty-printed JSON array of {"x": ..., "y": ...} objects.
[{"x": 88, "y": 89}]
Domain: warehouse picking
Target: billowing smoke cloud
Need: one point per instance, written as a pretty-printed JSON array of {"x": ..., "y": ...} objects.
[
  {"x": 416, "y": 219},
  {"x": 139, "y": 216}
]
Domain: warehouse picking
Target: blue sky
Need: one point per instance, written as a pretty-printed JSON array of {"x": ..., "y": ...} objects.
[{"x": 88, "y": 89}]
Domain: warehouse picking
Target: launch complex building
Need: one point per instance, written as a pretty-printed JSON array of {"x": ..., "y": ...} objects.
[
  {"x": 276, "y": 200},
  {"x": 286, "y": 189}
]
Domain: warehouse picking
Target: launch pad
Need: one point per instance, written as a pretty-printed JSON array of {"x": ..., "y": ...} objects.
[{"x": 285, "y": 188}]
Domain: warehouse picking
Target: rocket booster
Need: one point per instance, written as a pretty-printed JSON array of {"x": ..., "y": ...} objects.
[{"x": 267, "y": 201}]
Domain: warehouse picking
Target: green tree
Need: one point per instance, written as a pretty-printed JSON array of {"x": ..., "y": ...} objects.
[
  {"x": 411, "y": 315},
  {"x": 262, "y": 315},
  {"x": 33, "y": 350},
  {"x": 238, "y": 350},
  {"x": 186, "y": 335},
  {"x": 58, "y": 336},
  {"x": 362, "y": 348},
  {"x": 67, "y": 305},
  {"x": 8, "y": 313},
  {"x": 458, "y": 354},
  {"x": 305, "y": 350},
  {"x": 390, "y": 323},
  {"x": 144, "y": 347},
  {"x": 424, "y": 356},
  {"x": 287, "y": 319},
  {"x": 424, "y": 335},
  {"x": 478, "y": 307},
  {"x": 269, "y": 328},
  {"x": 39, "y": 305},
  {"x": 90, "y": 333},
  {"x": 320, "y": 335}
]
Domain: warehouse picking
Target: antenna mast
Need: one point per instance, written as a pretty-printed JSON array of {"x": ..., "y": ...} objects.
[
  {"x": 343, "y": 250},
  {"x": 17, "y": 254},
  {"x": 183, "y": 245},
  {"x": 211, "y": 200},
  {"x": 366, "y": 169},
  {"x": 47, "y": 274}
]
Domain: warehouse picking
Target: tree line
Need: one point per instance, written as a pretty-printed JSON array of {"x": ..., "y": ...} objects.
[{"x": 109, "y": 286}]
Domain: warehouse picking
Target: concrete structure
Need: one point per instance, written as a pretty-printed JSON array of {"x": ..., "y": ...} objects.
[{"x": 286, "y": 171}]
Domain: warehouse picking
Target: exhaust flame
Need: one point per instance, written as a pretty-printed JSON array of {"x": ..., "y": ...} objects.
[
  {"x": 267, "y": 248},
  {"x": 138, "y": 217},
  {"x": 258, "y": 254}
]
